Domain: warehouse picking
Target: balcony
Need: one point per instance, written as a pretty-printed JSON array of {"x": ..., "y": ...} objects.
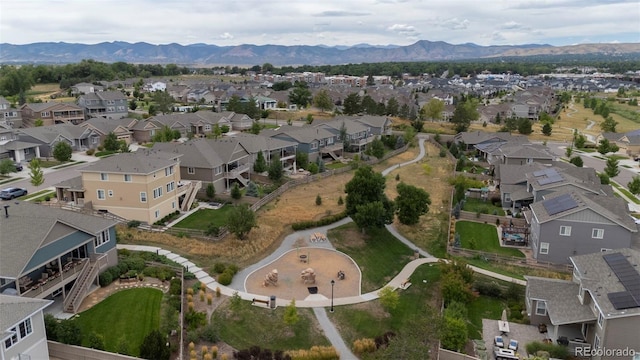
[
  {"x": 361, "y": 142},
  {"x": 235, "y": 172},
  {"x": 46, "y": 285},
  {"x": 330, "y": 148}
]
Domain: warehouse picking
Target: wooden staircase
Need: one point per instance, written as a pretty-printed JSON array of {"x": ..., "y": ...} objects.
[{"x": 82, "y": 284}]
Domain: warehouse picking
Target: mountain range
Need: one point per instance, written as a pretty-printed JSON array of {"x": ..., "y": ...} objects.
[{"x": 280, "y": 55}]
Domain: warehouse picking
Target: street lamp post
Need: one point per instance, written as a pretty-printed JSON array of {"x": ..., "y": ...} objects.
[{"x": 333, "y": 282}]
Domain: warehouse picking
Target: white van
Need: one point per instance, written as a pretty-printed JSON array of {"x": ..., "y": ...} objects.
[{"x": 504, "y": 354}]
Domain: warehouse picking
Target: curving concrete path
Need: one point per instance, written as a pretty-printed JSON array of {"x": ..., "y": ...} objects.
[{"x": 318, "y": 303}]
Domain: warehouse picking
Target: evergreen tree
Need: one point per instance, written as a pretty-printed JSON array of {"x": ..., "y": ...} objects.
[
  {"x": 35, "y": 172},
  {"x": 154, "y": 347},
  {"x": 611, "y": 168},
  {"x": 276, "y": 172},
  {"x": 260, "y": 165}
]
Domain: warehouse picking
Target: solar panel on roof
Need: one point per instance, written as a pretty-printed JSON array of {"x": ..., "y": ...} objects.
[
  {"x": 622, "y": 300},
  {"x": 630, "y": 279},
  {"x": 559, "y": 204},
  {"x": 539, "y": 172}
]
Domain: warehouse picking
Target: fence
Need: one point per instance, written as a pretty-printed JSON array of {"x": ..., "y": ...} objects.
[
  {"x": 511, "y": 260},
  {"x": 444, "y": 354},
  {"x": 72, "y": 352},
  {"x": 491, "y": 219}
]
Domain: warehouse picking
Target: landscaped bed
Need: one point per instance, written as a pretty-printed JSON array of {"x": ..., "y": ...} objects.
[
  {"x": 483, "y": 237},
  {"x": 129, "y": 314},
  {"x": 481, "y": 206}
]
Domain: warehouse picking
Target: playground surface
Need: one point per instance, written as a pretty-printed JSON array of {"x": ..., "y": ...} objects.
[{"x": 325, "y": 263}]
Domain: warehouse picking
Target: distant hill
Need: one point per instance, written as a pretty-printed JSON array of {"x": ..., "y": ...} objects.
[{"x": 279, "y": 55}]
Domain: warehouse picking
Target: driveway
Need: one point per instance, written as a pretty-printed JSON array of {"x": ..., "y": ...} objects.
[{"x": 523, "y": 333}]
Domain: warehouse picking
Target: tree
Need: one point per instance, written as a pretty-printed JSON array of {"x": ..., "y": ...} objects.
[
  {"x": 51, "y": 326},
  {"x": 252, "y": 189},
  {"x": 133, "y": 105},
  {"x": 608, "y": 125},
  {"x": 35, "y": 172},
  {"x": 352, "y": 104},
  {"x": 453, "y": 335},
  {"x": 211, "y": 191},
  {"x": 454, "y": 287},
  {"x": 276, "y": 172},
  {"x": 69, "y": 332},
  {"x": 604, "y": 179},
  {"x": 546, "y": 129},
  {"x": 260, "y": 165},
  {"x": 392, "y": 107},
  {"x": 96, "y": 341},
  {"x": 368, "y": 105},
  {"x": 291, "y": 313},
  {"x": 110, "y": 142},
  {"x": 611, "y": 169},
  {"x": 568, "y": 151},
  {"x": 165, "y": 135},
  {"x": 464, "y": 113},
  {"x": 38, "y": 122},
  {"x": 154, "y": 347},
  {"x": 375, "y": 214},
  {"x": 300, "y": 94},
  {"x": 388, "y": 298},
  {"x": 255, "y": 128},
  {"x": 216, "y": 133},
  {"x": 580, "y": 141},
  {"x": 164, "y": 101},
  {"x": 433, "y": 109},
  {"x": 577, "y": 161},
  {"x": 411, "y": 203},
  {"x": 525, "y": 126},
  {"x": 323, "y": 101},
  {"x": 62, "y": 151},
  {"x": 318, "y": 200},
  {"x": 236, "y": 194},
  {"x": 7, "y": 166},
  {"x": 152, "y": 110},
  {"x": 241, "y": 220},
  {"x": 606, "y": 147},
  {"x": 302, "y": 160},
  {"x": 634, "y": 185},
  {"x": 366, "y": 186},
  {"x": 377, "y": 148}
]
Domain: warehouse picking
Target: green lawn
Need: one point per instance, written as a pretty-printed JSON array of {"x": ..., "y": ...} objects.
[
  {"x": 483, "y": 237},
  {"x": 356, "y": 321},
  {"x": 202, "y": 218},
  {"x": 380, "y": 257},
  {"x": 129, "y": 314},
  {"x": 252, "y": 325},
  {"x": 483, "y": 307},
  {"x": 626, "y": 192},
  {"x": 335, "y": 165},
  {"x": 485, "y": 207},
  {"x": 618, "y": 157}
]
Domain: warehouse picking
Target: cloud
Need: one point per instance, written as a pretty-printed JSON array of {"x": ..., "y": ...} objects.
[
  {"x": 497, "y": 37},
  {"x": 226, "y": 36},
  {"x": 340, "y": 13},
  {"x": 404, "y": 29},
  {"x": 511, "y": 25},
  {"x": 454, "y": 24}
]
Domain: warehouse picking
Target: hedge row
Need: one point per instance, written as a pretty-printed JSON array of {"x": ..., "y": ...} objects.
[{"x": 302, "y": 225}]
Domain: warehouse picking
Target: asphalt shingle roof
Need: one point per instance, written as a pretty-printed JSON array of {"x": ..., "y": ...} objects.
[
  {"x": 14, "y": 309},
  {"x": 143, "y": 161},
  {"x": 561, "y": 297}
]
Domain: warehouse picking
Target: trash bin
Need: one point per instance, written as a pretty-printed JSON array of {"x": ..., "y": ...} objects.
[{"x": 272, "y": 302}]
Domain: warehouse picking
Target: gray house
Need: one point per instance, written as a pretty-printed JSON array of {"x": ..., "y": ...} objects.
[
  {"x": 219, "y": 162},
  {"x": 569, "y": 223},
  {"x": 314, "y": 141},
  {"x": 108, "y": 104},
  {"x": 270, "y": 148},
  {"x": 599, "y": 308},
  {"x": 79, "y": 137}
]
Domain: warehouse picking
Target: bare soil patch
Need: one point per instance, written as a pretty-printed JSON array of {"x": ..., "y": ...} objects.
[{"x": 325, "y": 262}]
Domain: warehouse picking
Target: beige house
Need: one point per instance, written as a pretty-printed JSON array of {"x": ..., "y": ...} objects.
[{"x": 144, "y": 185}]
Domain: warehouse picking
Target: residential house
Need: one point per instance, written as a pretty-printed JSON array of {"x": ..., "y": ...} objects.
[
  {"x": 11, "y": 116},
  {"x": 270, "y": 148},
  {"x": 378, "y": 125},
  {"x": 266, "y": 103},
  {"x": 511, "y": 180},
  {"x": 238, "y": 122},
  {"x": 472, "y": 138},
  {"x": 517, "y": 153},
  {"x": 144, "y": 185},
  {"x": 316, "y": 142},
  {"x": 221, "y": 162},
  {"x": 22, "y": 329},
  {"x": 357, "y": 134},
  {"x": 108, "y": 104},
  {"x": 51, "y": 253},
  {"x": 155, "y": 86},
  {"x": 120, "y": 127},
  {"x": 628, "y": 142},
  {"x": 46, "y": 137},
  {"x": 85, "y": 88},
  {"x": 571, "y": 222},
  {"x": 51, "y": 113},
  {"x": 598, "y": 309},
  {"x": 198, "y": 124}
]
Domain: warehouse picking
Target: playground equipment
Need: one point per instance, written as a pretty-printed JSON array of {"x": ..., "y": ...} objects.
[
  {"x": 271, "y": 278},
  {"x": 308, "y": 276}
]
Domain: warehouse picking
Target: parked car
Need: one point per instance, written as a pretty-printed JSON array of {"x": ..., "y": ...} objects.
[
  {"x": 498, "y": 342},
  {"x": 12, "y": 193},
  {"x": 18, "y": 166},
  {"x": 504, "y": 354},
  {"x": 513, "y": 345}
]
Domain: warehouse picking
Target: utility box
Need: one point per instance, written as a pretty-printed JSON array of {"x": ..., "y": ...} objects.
[{"x": 272, "y": 302}]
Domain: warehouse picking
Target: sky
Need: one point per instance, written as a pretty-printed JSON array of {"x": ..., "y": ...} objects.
[{"x": 325, "y": 22}]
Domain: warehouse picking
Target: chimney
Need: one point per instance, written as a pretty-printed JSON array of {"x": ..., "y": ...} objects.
[{"x": 6, "y": 211}]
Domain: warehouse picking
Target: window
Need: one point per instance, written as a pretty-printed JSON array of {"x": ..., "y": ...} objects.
[
  {"x": 314, "y": 145},
  {"x": 173, "y": 204},
  {"x": 27, "y": 151},
  {"x": 102, "y": 238},
  {"x": 565, "y": 230},
  {"x": 120, "y": 108},
  {"x": 171, "y": 186},
  {"x": 597, "y": 233},
  {"x": 329, "y": 141},
  {"x": 217, "y": 170},
  {"x": 44, "y": 114},
  {"x": 25, "y": 328},
  {"x": 207, "y": 128},
  {"x": 104, "y": 177},
  {"x": 127, "y": 177},
  {"x": 157, "y": 192},
  {"x": 596, "y": 342},
  {"x": 168, "y": 171},
  {"x": 111, "y": 109},
  {"x": 507, "y": 197},
  {"x": 321, "y": 142},
  {"x": 20, "y": 332},
  {"x": 157, "y": 214},
  {"x": 541, "y": 308},
  {"x": 110, "y": 192},
  {"x": 101, "y": 194},
  {"x": 12, "y": 340},
  {"x": 544, "y": 248},
  {"x": 94, "y": 140},
  {"x": 191, "y": 170},
  {"x": 604, "y": 250},
  {"x": 600, "y": 319},
  {"x": 143, "y": 196}
]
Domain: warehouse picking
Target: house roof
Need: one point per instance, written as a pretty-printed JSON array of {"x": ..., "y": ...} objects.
[
  {"x": 48, "y": 106},
  {"x": 303, "y": 135},
  {"x": 19, "y": 145},
  {"x": 514, "y": 174},
  {"x": 563, "y": 174},
  {"x": 561, "y": 296},
  {"x": 19, "y": 238},
  {"x": 371, "y": 120},
  {"x": 48, "y": 134},
  {"x": 106, "y": 126},
  {"x": 255, "y": 143},
  {"x": 477, "y": 137},
  {"x": 351, "y": 126},
  {"x": 143, "y": 161},
  {"x": 525, "y": 151},
  {"x": 105, "y": 95},
  {"x": 204, "y": 153},
  {"x": 14, "y": 309},
  {"x": 598, "y": 278},
  {"x": 610, "y": 207},
  {"x": 74, "y": 183}
]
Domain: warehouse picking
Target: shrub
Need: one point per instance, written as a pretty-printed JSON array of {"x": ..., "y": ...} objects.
[
  {"x": 209, "y": 299},
  {"x": 175, "y": 286},
  {"x": 366, "y": 345},
  {"x": 105, "y": 278},
  {"x": 488, "y": 288},
  {"x": 218, "y": 292},
  {"x": 201, "y": 295},
  {"x": 219, "y": 268},
  {"x": 225, "y": 278},
  {"x": 555, "y": 351},
  {"x": 91, "y": 152},
  {"x": 302, "y": 225},
  {"x": 133, "y": 224}
]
